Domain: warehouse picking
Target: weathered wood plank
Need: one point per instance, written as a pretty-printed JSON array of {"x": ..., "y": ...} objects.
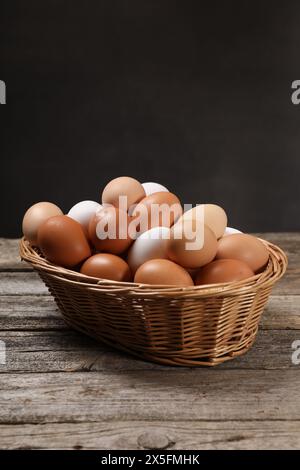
[
  {"x": 282, "y": 312},
  {"x": 199, "y": 435},
  {"x": 182, "y": 395},
  {"x": 289, "y": 284},
  {"x": 9, "y": 255},
  {"x": 68, "y": 351},
  {"x": 30, "y": 312},
  {"x": 21, "y": 283}
]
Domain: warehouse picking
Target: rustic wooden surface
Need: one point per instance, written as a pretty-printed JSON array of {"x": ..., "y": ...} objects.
[{"x": 60, "y": 389}]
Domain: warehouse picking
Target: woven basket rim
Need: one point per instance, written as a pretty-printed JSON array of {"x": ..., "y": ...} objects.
[{"x": 274, "y": 270}]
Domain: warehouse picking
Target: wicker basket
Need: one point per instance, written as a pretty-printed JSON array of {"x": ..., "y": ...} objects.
[{"x": 191, "y": 326}]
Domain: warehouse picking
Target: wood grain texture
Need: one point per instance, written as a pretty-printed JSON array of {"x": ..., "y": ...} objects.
[
  {"x": 20, "y": 283},
  {"x": 61, "y": 389},
  {"x": 282, "y": 312},
  {"x": 29, "y": 312},
  {"x": 198, "y": 394},
  {"x": 9, "y": 256},
  {"x": 144, "y": 435}
]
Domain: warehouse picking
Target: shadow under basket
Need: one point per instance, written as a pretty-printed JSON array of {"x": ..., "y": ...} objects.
[{"x": 191, "y": 326}]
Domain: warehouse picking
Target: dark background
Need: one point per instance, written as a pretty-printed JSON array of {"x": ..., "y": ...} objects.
[{"x": 195, "y": 95}]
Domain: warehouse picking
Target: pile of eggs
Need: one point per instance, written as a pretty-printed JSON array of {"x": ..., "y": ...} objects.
[{"x": 158, "y": 255}]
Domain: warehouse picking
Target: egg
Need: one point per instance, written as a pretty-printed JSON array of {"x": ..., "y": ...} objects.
[
  {"x": 230, "y": 231},
  {"x": 223, "y": 270},
  {"x": 63, "y": 242},
  {"x": 160, "y": 209},
  {"x": 124, "y": 186},
  {"x": 212, "y": 215},
  {"x": 108, "y": 230},
  {"x": 191, "y": 246},
  {"x": 151, "y": 244},
  {"x": 35, "y": 216},
  {"x": 163, "y": 272},
  {"x": 151, "y": 188},
  {"x": 106, "y": 266},
  {"x": 243, "y": 247},
  {"x": 83, "y": 211}
]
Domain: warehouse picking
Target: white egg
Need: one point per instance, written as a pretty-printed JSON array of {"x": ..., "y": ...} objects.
[
  {"x": 151, "y": 188},
  {"x": 83, "y": 211},
  {"x": 231, "y": 231},
  {"x": 149, "y": 245}
]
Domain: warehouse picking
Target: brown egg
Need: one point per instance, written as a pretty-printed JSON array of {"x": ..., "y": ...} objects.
[
  {"x": 106, "y": 266},
  {"x": 163, "y": 272},
  {"x": 63, "y": 242},
  {"x": 160, "y": 209},
  {"x": 123, "y": 186},
  {"x": 108, "y": 230},
  {"x": 191, "y": 246},
  {"x": 211, "y": 215},
  {"x": 35, "y": 216},
  {"x": 223, "y": 270},
  {"x": 245, "y": 248},
  {"x": 215, "y": 218}
]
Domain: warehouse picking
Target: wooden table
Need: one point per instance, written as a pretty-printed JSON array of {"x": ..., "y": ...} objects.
[{"x": 60, "y": 389}]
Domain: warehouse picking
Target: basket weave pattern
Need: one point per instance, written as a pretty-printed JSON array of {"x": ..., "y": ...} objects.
[{"x": 191, "y": 326}]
